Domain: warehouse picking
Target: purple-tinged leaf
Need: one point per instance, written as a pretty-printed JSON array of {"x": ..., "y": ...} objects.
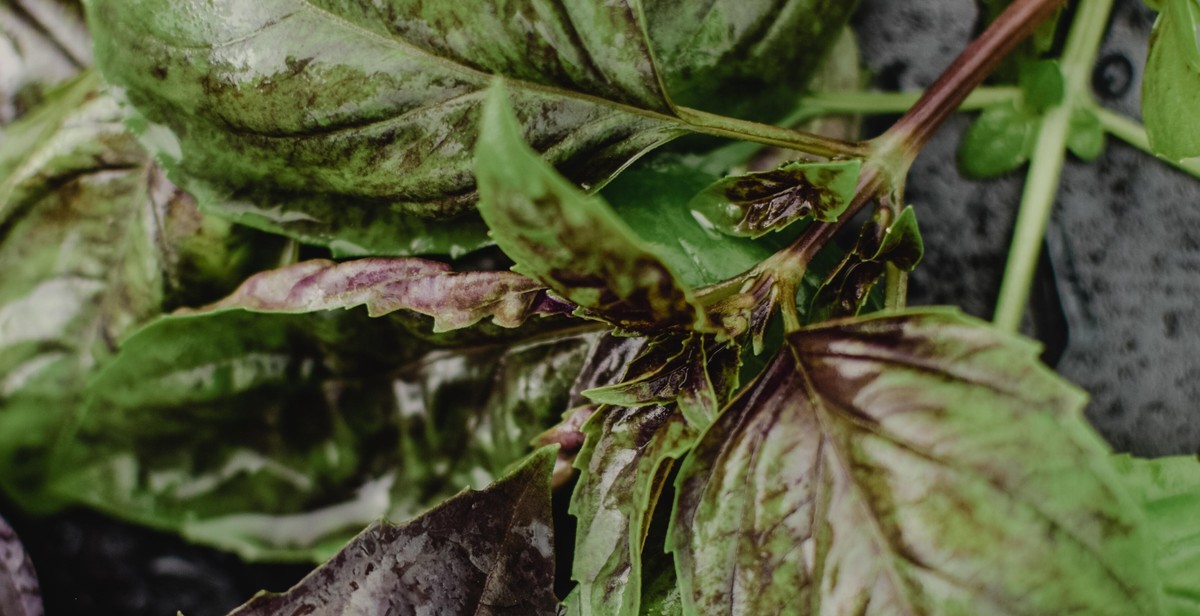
[
  {"x": 19, "y": 591},
  {"x": 454, "y": 299},
  {"x": 918, "y": 463},
  {"x": 484, "y": 553}
]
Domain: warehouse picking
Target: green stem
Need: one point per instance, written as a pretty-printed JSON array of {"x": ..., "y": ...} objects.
[
  {"x": 1045, "y": 165},
  {"x": 722, "y": 126},
  {"x": 1133, "y": 133},
  {"x": 869, "y": 103},
  {"x": 896, "y": 292}
]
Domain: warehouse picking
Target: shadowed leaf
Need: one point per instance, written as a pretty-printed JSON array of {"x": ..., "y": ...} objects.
[
  {"x": 918, "y": 463},
  {"x": 480, "y": 553},
  {"x": 19, "y": 592}
]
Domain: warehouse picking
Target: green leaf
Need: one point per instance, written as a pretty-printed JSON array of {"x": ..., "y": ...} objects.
[
  {"x": 454, "y": 299},
  {"x": 1086, "y": 137},
  {"x": 486, "y": 552},
  {"x": 279, "y": 436},
  {"x": 1172, "y": 82},
  {"x": 916, "y": 463},
  {"x": 1169, "y": 489},
  {"x": 571, "y": 242},
  {"x": 19, "y": 593},
  {"x": 1042, "y": 85},
  {"x": 42, "y": 43},
  {"x": 624, "y": 463},
  {"x": 998, "y": 141},
  {"x": 763, "y": 50},
  {"x": 755, "y": 204},
  {"x": 312, "y": 118}
]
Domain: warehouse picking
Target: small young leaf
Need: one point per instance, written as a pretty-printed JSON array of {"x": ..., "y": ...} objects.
[
  {"x": 572, "y": 242},
  {"x": 19, "y": 593},
  {"x": 1042, "y": 85},
  {"x": 624, "y": 462},
  {"x": 917, "y": 463},
  {"x": 1086, "y": 139},
  {"x": 998, "y": 141},
  {"x": 755, "y": 204},
  {"x": 1172, "y": 83},
  {"x": 1169, "y": 489},
  {"x": 488, "y": 553},
  {"x": 454, "y": 299}
]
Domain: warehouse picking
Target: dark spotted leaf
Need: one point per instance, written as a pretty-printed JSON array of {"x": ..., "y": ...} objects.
[
  {"x": 570, "y": 241},
  {"x": 624, "y": 463},
  {"x": 755, "y": 204},
  {"x": 485, "y": 553},
  {"x": 1169, "y": 489},
  {"x": 454, "y": 299},
  {"x": 847, "y": 290},
  {"x": 19, "y": 592},
  {"x": 1172, "y": 82},
  {"x": 917, "y": 463}
]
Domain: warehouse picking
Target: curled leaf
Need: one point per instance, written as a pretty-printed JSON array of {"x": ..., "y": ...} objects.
[
  {"x": 571, "y": 242},
  {"x": 918, "y": 463},
  {"x": 454, "y": 299},
  {"x": 755, "y": 204},
  {"x": 487, "y": 553}
]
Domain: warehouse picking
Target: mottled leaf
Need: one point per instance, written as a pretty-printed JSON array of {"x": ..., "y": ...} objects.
[
  {"x": 19, "y": 591},
  {"x": 95, "y": 242},
  {"x": 624, "y": 462},
  {"x": 762, "y": 50},
  {"x": 42, "y": 43},
  {"x": 1169, "y": 490},
  {"x": 916, "y": 463},
  {"x": 313, "y": 118},
  {"x": 1172, "y": 82},
  {"x": 480, "y": 553},
  {"x": 572, "y": 242},
  {"x": 755, "y": 204},
  {"x": 454, "y": 299},
  {"x": 279, "y": 436},
  {"x": 998, "y": 141}
]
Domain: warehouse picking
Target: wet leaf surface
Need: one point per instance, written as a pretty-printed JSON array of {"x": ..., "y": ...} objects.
[
  {"x": 480, "y": 553},
  {"x": 908, "y": 464}
]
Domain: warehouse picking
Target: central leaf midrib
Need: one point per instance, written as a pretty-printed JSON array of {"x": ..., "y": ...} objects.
[{"x": 486, "y": 76}]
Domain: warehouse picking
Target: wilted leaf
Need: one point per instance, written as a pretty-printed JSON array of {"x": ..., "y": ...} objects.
[
  {"x": 1169, "y": 489},
  {"x": 483, "y": 553},
  {"x": 755, "y": 204},
  {"x": 19, "y": 592},
  {"x": 279, "y": 436},
  {"x": 918, "y": 463},
  {"x": 572, "y": 242},
  {"x": 624, "y": 462},
  {"x": 1172, "y": 82},
  {"x": 454, "y": 299}
]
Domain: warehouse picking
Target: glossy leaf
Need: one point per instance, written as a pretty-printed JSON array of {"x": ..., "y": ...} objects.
[
  {"x": 624, "y": 462},
  {"x": 917, "y": 463},
  {"x": 1172, "y": 82},
  {"x": 998, "y": 141},
  {"x": 763, "y": 50},
  {"x": 318, "y": 118},
  {"x": 279, "y": 436},
  {"x": 454, "y": 299},
  {"x": 487, "y": 553},
  {"x": 1169, "y": 489},
  {"x": 571, "y": 242},
  {"x": 755, "y": 204},
  {"x": 42, "y": 43},
  {"x": 19, "y": 591}
]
